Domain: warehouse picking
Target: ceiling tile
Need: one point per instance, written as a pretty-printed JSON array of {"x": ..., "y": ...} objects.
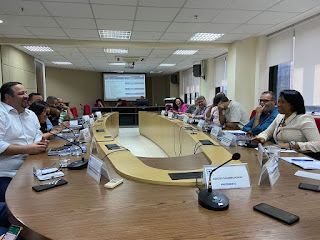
[
  {"x": 150, "y": 26},
  {"x": 146, "y": 35},
  {"x": 219, "y": 27},
  {"x": 14, "y": 30},
  {"x": 253, "y": 4},
  {"x": 196, "y": 15},
  {"x": 176, "y": 36},
  {"x": 217, "y": 4},
  {"x": 114, "y": 24},
  {"x": 139, "y": 52},
  {"x": 84, "y": 23},
  {"x": 235, "y": 16},
  {"x": 29, "y": 8},
  {"x": 251, "y": 28},
  {"x": 86, "y": 33},
  {"x": 185, "y": 27},
  {"x": 52, "y": 37},
  {"x": 47, "y": 31},
  {"x": 73, "y": 1},
  {"x": 231, "y": 37},
  {"x": 271, "y": 17},
  {"x": 116, "y": 2},
  {"x": 18, "y": 36},
  {"x": 30, "y": 21},
  {"x": 156, "y": 14},
  {"x": 113, "y": 12},
  {"x": 295, "y": 5},
  {"x": 162, "y": 3},
  {"x": 60, "y": 9}
]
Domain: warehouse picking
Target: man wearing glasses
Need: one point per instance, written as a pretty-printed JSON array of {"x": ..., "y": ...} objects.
[{"x": 266, "y": 112}]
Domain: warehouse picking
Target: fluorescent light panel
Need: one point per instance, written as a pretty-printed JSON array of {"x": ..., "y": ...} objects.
[
  {"x": 156, "y": 72},
  {"x": 115, "y": 34},
  {"x": 39, "y": 48},
  {"x": 185, "y": 52},
  {"x": 117, "y": 64},
  {"x": 62, "y": 63},
  {"x": 166, "y": 65},
  {"x": 1, "y": 21},
  {"x": 206, "y": 37},
  {"x": 116, "y": 50}
]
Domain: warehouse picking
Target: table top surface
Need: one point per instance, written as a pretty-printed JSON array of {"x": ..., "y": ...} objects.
[{"x": 84, "y": 209}]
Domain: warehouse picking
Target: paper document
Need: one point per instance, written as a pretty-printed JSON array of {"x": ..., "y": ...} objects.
[
  {"x": 298, "y": 159},
  {"x": 308, "y": 165},
  {"x": 282, "y": 150},
  {"x": 308, "y": 175}
]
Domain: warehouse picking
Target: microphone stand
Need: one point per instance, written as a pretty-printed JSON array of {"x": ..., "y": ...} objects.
[
  {"x": 213, "y": 199},
  {"x": 77, "y": 165}
]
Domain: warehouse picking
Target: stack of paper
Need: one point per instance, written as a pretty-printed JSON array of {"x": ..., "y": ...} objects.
[{"x": 303, "y": 162}]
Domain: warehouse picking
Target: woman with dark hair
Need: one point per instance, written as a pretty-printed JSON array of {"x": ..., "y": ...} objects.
[
  {"x": 42, "y": 110},
  {"x": 292, "y": 128},
  {"x": 99, "y": 103},
  {"x": 179, "y": 106}
]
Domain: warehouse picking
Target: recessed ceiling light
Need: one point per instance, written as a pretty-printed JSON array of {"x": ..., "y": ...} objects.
[
  {"x": 39, "y": 48},
  {"x": 115, "y": 34},
  {"x": 62, "y": 63},
  {"x": 166, "y": 65},
  {"x": 207, "y": 37},
  {"x": 185, "y": 52},
  {"x": 117, "y": 64},
  {"x": 1, "y": 21},
  {"x": 156, "y": 72},
  {"x": 115, "y": 50}
]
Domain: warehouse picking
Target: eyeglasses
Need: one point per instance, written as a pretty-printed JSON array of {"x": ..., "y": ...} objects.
[{"x": 264, "y": 100}]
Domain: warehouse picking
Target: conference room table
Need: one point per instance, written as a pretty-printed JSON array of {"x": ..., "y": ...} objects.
[{"x": 85, "y": 209}]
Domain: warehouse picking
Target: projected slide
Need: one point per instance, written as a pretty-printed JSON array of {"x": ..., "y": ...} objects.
[{"x": 124, "y": 86}]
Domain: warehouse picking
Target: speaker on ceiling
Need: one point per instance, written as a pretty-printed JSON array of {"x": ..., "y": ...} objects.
[
  {"x": 174, "y": 79},
  {"x": 197, "y": 70}
]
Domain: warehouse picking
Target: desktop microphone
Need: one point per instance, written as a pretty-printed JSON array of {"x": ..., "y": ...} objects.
[
  {"x": 75, "y": 141},
  {"x": 213, "y": 199},
  {"x": 77, "y": 165}
]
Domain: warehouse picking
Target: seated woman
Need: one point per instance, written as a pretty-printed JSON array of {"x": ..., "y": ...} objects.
[
  {"x": 292, "y": 129},
  {"x": 42, "y": 110},
  {"x": 179, "y": 106},
  {"x": 99, "y": 103}
]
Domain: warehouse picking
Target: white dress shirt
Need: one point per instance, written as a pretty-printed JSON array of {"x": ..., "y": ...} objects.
[
  {"x": 16, "y": 129},
  {"x": 299, "y": 128}
]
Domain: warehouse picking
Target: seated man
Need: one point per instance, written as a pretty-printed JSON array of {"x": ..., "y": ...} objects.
[
  {"x": 200, "y": 112},
  {"x": 231, "y": 114},
  {"x": 192, "y": 108},
  {"x": 266, "y": 112},
  {"x": 54, "y": 111},
  {"x": 34, "y": 97},
  {"x": 20, "y": 133},
  {"x": 65, "y": 112}
]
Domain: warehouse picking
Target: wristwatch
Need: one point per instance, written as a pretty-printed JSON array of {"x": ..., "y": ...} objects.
[{"x": 292, "y": 144}]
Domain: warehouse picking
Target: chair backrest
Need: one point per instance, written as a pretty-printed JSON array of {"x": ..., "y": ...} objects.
[
  {"x": 74, "y": 112},
  {"x": 125, "y": 103},
  {"x": 253, "y": 113},
  {"x": 317, "y": 120},
  {"x": 87, "y": 110}
]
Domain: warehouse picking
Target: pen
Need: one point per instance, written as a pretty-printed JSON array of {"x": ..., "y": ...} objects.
[{"x": 303, "y": 160}]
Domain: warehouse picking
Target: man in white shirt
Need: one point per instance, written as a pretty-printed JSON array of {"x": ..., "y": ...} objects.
[
  {"x": 231, "y": 114},
  {"x": 200, "y": 112},
  {"x": 20, "y": 133}
]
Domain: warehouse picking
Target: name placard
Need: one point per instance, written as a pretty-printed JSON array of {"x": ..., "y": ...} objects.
[
  {"x": 96, "y": 168},
  {"x": 170, "y": 114},
  {"x": 227, "y": 177},
  {"x": 84, "y": 133},
  {"x": 163, "y": 113},
  {"x": 270, "y": 172},
  {"x": 229, "y": 139},
  {"x": 93, "y": 146},
  {"x": 216, "y": 131},
  {"x": 91, "y": 122},
  {"x": 185, "y": 119},
  {"x": 73, "y": 123},
  {"x": 98, "y": 114}
]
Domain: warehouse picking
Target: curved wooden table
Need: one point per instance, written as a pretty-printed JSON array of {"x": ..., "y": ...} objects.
[{"x": 83, "y": 209}]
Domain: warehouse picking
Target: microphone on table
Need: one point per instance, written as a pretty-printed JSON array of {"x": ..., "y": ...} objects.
[
  {"x": 74, "y": 135},
  {"x": 77, "y": 165},
  {"x": 213, "y": 199}
]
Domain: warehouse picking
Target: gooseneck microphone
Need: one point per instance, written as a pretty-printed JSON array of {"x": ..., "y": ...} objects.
[
  {"x": 213, "y": 199},
  {"x": 77, "y": 165},
  {"x": 74, "y": 135}
]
